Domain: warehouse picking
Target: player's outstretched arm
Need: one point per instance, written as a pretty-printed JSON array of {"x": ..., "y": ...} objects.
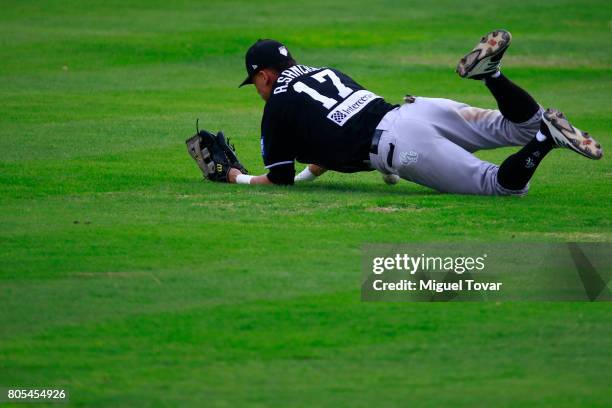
[
  {"x": 234, "y": 177},
  {"x": 311, "y": 172}
]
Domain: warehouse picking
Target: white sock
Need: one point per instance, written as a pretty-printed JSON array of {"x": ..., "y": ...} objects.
[
  {"x": 305, "y": 175},
  {"x": 496, "y": 75},
  {"x": 540, "y": 136}
]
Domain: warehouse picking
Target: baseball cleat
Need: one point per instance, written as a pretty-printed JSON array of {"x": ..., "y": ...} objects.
[
  {"x": 565, "y": 135},
  {"x": 485, "y": 59}
]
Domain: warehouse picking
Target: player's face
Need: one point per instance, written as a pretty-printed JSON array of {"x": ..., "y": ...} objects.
[{"x": 263, "y": 84}]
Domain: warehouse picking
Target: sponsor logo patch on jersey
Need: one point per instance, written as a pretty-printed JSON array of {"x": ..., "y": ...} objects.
[{"x": 351, "y": 106}]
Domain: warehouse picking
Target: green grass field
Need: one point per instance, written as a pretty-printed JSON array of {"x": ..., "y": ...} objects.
[{"x": 128, "y": 281}]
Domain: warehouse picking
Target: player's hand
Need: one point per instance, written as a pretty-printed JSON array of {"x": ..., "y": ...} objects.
[{"x": 232, "y": 174}]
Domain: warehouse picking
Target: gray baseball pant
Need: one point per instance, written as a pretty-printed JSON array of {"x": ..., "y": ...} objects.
[{"x": 433, "y": 140}]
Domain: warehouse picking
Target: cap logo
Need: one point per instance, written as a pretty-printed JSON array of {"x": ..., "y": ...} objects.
[
  {"x": 283, "y": 50},
  {"x": 254, "y": 66}
]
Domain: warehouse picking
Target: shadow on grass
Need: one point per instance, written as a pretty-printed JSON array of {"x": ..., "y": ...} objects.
[{"x": 373, "y": 189}]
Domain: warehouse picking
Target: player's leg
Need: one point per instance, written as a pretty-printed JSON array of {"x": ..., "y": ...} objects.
[
  {"x": 515, "y": 104},
  {"x": 519, "y": 110},
  {"x": 556, "y": 131},
  {"x": 417, "y": 152},
  {"x": 516, "y": 171},
  {"x": 483, "y": 63},
  {"x": 472, "y": 128}
]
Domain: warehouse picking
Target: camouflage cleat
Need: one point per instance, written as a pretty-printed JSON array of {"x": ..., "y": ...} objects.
[
  {"x": 485, "y": 59},
  {"x": 565, "y": 135}
]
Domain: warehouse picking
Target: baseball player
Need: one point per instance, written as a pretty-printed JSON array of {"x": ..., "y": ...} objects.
[{"x": 324, "y": 118}]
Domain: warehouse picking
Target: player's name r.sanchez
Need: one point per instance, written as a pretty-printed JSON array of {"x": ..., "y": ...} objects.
[{"x": 433, "y": 285}]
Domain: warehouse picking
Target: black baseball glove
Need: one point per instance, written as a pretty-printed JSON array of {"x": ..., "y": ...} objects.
[{"x": 214, "y": 155}]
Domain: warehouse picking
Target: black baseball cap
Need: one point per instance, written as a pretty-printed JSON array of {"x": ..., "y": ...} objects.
[{"x": 264, "y": 54}]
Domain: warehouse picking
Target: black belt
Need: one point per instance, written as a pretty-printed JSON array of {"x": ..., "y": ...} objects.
[
  {"x": 375, "y": 140},
  {"x": 374, "y": 146}
]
